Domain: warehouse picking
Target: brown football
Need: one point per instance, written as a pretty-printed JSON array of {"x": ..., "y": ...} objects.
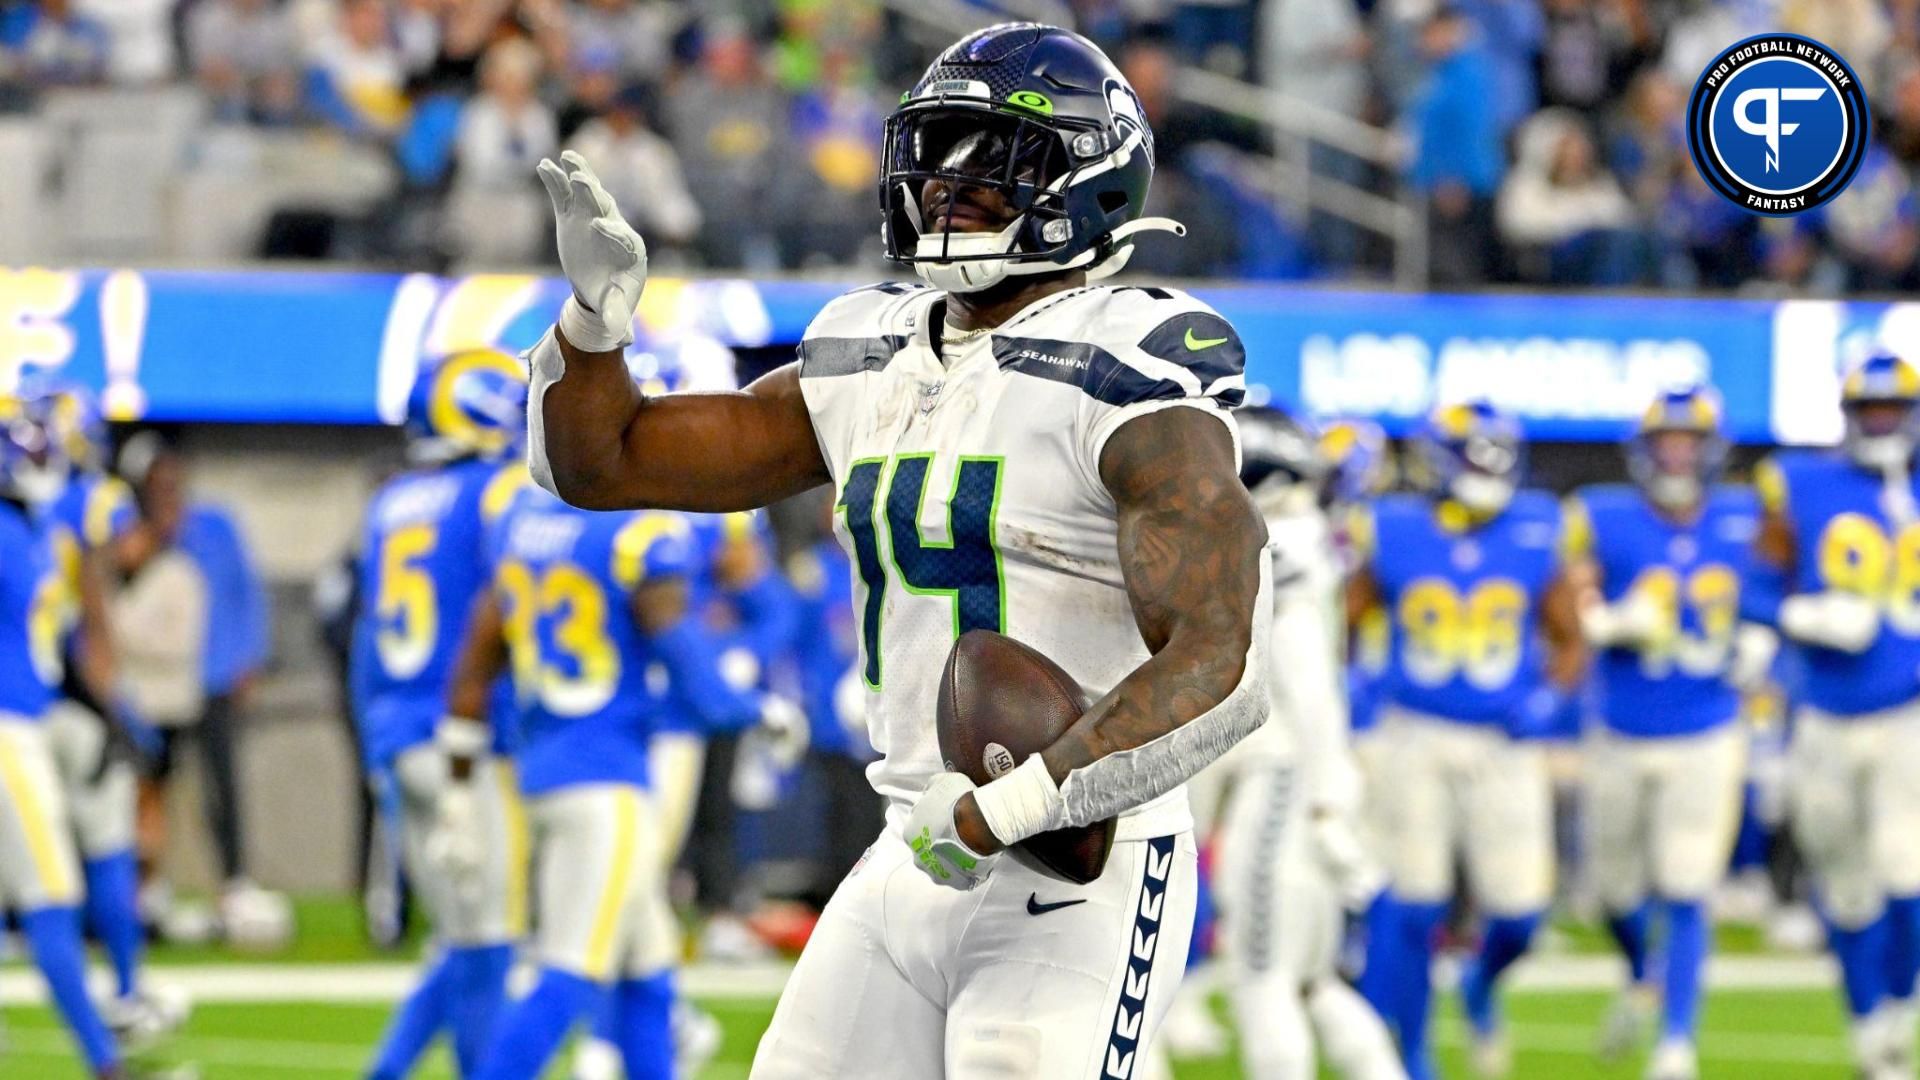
[{"x": 1001, "y": 702}]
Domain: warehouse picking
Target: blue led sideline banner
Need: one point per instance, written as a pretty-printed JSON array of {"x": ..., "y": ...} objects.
[{"x": 342, "y": 348}]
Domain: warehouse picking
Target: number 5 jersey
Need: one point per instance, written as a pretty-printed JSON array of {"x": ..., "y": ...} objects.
[{"x": 969, "y": 489}]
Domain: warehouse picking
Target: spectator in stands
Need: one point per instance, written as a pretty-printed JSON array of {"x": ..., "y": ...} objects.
[
  {"x": 1213, "y": 243},
  {"x": 140, "y": 36},
  {"x": 50, "y": 44},
  {"x": 357, "y": 82},
  {"x": 1856, "y": 29},
  {"x": 506, "y": 129},
  {"x": 1874, "y": 226},
  {"x": 1457, "y": 159},
  {"x": 729, "y": 125},
  {"x": 1587, "y": 53},
  {"x": 641, "y": 172},
  {"x": 818, "y": 34},
  {"x": 243, "y": 55},
  {"x": 1316, "y": 51},
  {"x": 637, "y": 36},
  {"x": 1648, "y": 143},
  {"x": 1896, "y": 121},
  {"x": 1706, "y": 240},
  {"x": 1511, "y": 33},
  {"x": 829, "y": 218},
  {"x": 496, "y": 211},
  {"x": 1561, "y": 212}
]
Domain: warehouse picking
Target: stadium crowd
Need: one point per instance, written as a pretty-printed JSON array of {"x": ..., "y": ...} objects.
[{"x": 1544, "y": 137}]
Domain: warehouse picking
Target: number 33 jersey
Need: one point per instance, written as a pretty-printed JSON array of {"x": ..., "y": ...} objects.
[{"x": 969, "y": 490}]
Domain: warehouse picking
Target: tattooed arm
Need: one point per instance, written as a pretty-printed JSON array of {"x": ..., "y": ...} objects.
[{"x": 1192, "y": 549}]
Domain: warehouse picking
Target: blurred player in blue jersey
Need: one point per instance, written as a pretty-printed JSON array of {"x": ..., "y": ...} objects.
[
  {"x": 96, "y": 754},
  {"x": 423, "y": 564},
  {"x": 1665, "y": 559},
  {"x": 741, "y": 616},
  {"x": 587, "y": 610},
  {"x": 826, "y": 654},
  {"x": 1470, "y": 574},
  {"x": 40, "y": 878},
  {"x": 1844, "y": 529}
]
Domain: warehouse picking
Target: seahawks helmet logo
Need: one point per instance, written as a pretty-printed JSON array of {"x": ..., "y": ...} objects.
[{"x": 1129, "y": 119}]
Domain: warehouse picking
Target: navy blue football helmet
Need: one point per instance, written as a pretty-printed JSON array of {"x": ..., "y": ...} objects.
[{"x": 1040, "y": 116}]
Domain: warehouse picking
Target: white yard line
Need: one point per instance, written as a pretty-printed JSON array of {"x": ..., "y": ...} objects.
[{"x": 380, "y": 982}]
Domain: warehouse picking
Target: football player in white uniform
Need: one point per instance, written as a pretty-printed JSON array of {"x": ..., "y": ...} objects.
[
  {"x": 1085, "y": 500},
  {"x": 1290, "y": 856}
]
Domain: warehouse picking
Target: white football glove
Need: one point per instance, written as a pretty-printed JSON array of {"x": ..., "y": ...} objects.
[
  {"x": 1754, "y": 647},
  {"x": 1831, "y": 619},
  {"x": 1344, "y": 858},
  {"x": 454, "y": 844},
  {"x": 603, "y": 258},
  {"x": 784, "y": 727},
  {"x": 1635, "y": 621},
  {"x": 937, "y": 848}
]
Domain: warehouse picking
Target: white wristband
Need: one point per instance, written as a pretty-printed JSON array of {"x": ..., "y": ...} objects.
[
  {"x": 460, "y": 736},
  {"x": 588, "y": 332},
  {"x": 1023, "y": 803}
]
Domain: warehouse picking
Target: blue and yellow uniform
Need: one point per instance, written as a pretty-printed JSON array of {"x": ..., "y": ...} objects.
[
  {"x": 589, "y": 685},
  {"x": 1853, "y": 606},
  {"x": 592, "y": 683},
  {"x": 39, "y": 873},
  {"x": 1463, "y": 604},
  {"x": 1692, "y": 570},
  {"x": 95, "y": 510},
  {"x": 423, "y": 562},
  {"x": 1847, "y": 541}
]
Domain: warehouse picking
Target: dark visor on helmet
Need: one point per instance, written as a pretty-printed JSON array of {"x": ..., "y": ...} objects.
[{"x": 980, "y": 145}]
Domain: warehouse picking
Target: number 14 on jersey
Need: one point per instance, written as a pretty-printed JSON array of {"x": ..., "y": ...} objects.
[{"x": 966, "y": 566}]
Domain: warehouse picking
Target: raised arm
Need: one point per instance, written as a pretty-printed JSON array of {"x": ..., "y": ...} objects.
[
  {"x": 610, "y": 447},
  {"x": 1192, "y": 550},
  {"x": 595, "y": 440}
]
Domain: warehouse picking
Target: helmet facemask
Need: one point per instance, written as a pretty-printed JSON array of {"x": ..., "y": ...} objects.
[
  {"x": 1882, "y": 433},
  {"x": 985, "y": 159}
]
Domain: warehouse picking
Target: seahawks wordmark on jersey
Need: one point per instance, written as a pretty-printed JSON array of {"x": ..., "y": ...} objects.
[{"x": 970, "y": 492}]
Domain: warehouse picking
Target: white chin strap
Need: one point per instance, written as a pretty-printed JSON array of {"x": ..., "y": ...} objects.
[
  {"x": 38, "y": 485},
  {"x": 976, "y": 261},
  {"x": 1483, "y": 494},
  {"x": 1674, "y": 492},
  {"x": 1882, "y": 451}
]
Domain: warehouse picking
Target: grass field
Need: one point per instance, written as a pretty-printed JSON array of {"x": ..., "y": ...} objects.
[{"x": 1765, "y": 1033}]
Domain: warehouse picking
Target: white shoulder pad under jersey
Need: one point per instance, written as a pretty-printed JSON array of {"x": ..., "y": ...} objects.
[{"x": 969, "y": 484}]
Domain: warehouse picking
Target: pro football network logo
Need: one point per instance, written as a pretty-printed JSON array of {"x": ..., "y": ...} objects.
[{"x": 1778, "y": 124}]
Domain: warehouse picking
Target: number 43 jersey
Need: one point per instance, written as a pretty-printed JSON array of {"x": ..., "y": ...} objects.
[
  {"x": 969, "y": 490},
  {"x": 1677, "y": 683}
]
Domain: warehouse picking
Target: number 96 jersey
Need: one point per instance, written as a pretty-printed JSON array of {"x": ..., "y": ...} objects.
[
  {"x": 1463, "y": 603},
  {"x": 969, "y": 491},
  {"x": 1837, "y": 512}
]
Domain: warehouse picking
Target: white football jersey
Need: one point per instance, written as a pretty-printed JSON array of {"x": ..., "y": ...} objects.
[{"x": 969, "y": 491}]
